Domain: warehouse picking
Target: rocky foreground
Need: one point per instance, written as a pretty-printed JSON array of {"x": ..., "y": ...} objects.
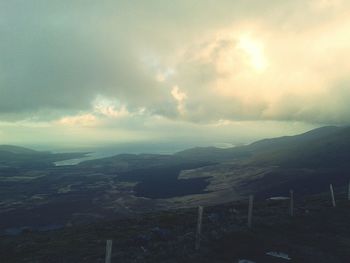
[{"x": 317, "y": 233}]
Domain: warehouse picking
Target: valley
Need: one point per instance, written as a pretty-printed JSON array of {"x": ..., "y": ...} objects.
[{"x": 37, "y": 195}]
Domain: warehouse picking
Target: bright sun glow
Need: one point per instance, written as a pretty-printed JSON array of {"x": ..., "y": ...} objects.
[{"x": 255, "y": 52}]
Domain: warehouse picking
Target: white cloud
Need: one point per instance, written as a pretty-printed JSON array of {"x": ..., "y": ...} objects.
[
  {"x": 123, "y": 65},
  {"x": 180, "y": 98},
  {"x": 79, "y": 120},
  {"x": 326, "y": 4},
  {"x": 110, "y": 108}
]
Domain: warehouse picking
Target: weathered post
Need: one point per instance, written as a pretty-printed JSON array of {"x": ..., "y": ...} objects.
[
  {"x": 332, "y": 195},
  {"x": 250, "y": 210},
  {"x": 199, "y": 227},
  {"x": 109, "y": 251},
  {"x": 291, "y": 202}
]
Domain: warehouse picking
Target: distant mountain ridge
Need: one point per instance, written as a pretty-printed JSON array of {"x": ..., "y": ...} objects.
[
  {"x": 303, "y": 149},
  {"x": 125, "y": 183},
  {"x": 16, "y": 156},
  {"x": 323, "y": 146},
  {"x": 318, "y": 133},
  {"x": 16, "y": 149},
  {"x": 307, "y": 163}
]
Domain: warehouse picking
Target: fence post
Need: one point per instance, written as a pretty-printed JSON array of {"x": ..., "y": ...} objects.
[
  {"x": 250, "y": 210},
  {"x": 332, "y": 195},
  {"x": 109, "y": 251},
  {"x": 199, "y": 227},
  {"x": 291, "y": 202}
]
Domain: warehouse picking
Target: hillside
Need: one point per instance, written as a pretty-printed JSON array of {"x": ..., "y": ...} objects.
[
  {"x": 317, "y": 233},
  {"x": 19, "y": 157},
  {"x": 326, "y": 146},
  {"x": 323, "y": 146},
  {"x": 36, "y": 194},
  {"x": 16, "y": 149},
  {"x": 307, "y": 162}
]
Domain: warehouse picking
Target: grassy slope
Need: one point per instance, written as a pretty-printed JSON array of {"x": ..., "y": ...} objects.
[
  {"x": 318, "y": 233},
  {"x": 323, "y": 147}
]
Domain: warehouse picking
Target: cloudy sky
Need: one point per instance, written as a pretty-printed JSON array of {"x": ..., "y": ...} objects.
[{"x": 204, "y": 72}]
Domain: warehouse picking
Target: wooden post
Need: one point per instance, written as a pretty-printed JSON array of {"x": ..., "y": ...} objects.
[
  {"x": 109, "y": 251},
  {"x": 291, "y": 202},
  {"x": 199, "y": 227},
  {"x": 349, "y": 190},
  {"x": 332, "y": 195},
  {"x": 250, "y": 210}
]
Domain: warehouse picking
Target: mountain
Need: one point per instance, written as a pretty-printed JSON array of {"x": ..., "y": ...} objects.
[
  {"x": 124, "y": 184},
  {"x": 308, "y": 163},
  {"x": 323, "y": 147},
  {"x": 16, "y": 149},
  {"x": 319, "y": 147},
  {"x": 20, "y": 157},
  {"x": 288, "y": 141},
  {"x": 215, "y": 154},
  {"x": 326, "y": 146},
  {"x": 150, "y": 200}
]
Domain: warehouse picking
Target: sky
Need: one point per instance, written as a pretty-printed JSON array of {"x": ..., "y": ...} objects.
[{"x": 186, "y": 72}]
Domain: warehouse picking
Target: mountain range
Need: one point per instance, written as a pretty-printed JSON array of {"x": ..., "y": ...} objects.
[{"x": 31, "y": 184}]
